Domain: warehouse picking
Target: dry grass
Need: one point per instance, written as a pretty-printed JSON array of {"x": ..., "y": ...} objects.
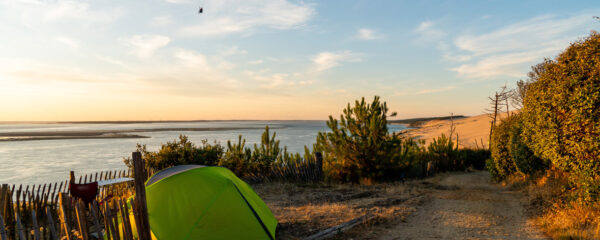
[
  {"x": 303, "y": 210},
  {"x": 557, "y": 217}
]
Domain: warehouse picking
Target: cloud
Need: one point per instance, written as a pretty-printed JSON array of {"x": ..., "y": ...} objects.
[
  {"x": 67, "y": 41},
  {"x": 425, "y": 91},
  {"x": 234, "y": 50},
  {"x": 367, "y": 34},
  {"x": 326, "y": 60},
  {"x": 510, "y": 51},
  {"x": 237, "y": 16},
  {"x": 278, "y": 80},
  {"x": 256, "y": 62},
  {"x": 145, "y": 45},
  {"x": 428, "y": 32},
  {"x": 34, "y": 12}
]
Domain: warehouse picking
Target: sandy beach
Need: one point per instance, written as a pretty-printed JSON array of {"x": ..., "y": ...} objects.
[{"x": 472, "y": 131}]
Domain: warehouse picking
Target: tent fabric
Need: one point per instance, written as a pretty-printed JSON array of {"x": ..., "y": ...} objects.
[
  {"x": 170, "y": 172},
  {"x": 197, "y": 202}
]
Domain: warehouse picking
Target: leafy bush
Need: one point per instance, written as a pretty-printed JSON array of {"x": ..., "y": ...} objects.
[
  {"x": 475, "y": 158},
  {"x": 444, "y": 154},
  {"x": 525, "y": 161},
  {"x": 500, "y": 149},
  {"x": 180, "y": 152},
  {"x": 561, "y": 115}
]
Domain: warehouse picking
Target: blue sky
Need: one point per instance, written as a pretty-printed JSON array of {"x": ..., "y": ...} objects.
[{"x": 159, "y": 59}]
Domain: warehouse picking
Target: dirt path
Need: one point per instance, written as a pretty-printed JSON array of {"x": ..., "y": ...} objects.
[{"x": 466, "y": 206}]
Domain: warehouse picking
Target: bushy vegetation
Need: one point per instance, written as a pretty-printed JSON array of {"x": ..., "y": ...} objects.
[
  {"x": 261, "y": 162},
  {"x": 359, "y": 148},
  {"x": 510, "y": 155},
  {"x": 561, "y": 115},
  {"x": 555, "y": 140},
  {"x": 180, "y": 152}
]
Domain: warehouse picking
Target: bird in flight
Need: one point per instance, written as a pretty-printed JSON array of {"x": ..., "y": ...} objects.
[{"x": 200, "y": 10}]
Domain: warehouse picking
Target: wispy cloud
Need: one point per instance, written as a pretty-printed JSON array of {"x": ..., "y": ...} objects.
[
  {"x": 327, "y": 60},
  {"x": 367, "y": 34},
  {"x": 256, "y": 62},
  {"x": 66, "y": 11},
  {"x": 145, "y": 45},
  {"x": 510, "y": 50},
  {"x": 234, "y": 50},
  {"x": 239, "y": 16},
  {"x": 277, "y": 80},
  {"x": 428, "y": 32},
  {"x": 425, "y": 91}
]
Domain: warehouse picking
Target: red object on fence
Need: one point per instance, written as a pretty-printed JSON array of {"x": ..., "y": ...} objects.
[{"x": 87, "y": 192}]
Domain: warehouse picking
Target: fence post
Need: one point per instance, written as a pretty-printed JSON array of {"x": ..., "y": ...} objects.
[
  {"x": 319, "y": 162},
  {"x": 2, "y": 229},
  {"x": 143, "y": 226}
]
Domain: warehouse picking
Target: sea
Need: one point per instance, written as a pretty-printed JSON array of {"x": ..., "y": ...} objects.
[{"x": 49, "y": 161}]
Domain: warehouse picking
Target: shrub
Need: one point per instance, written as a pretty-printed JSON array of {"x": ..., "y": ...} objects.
[
  {"x": 475, "y": 158},
  {"x": 444, "y": 154},
  {"x": 561, "y": 116},
  {"x": 525, "y": 161},
  {"x": 179, "y": 152},
  {"x": 500, "y": 149},
  {"x": 355, "y": 148}
]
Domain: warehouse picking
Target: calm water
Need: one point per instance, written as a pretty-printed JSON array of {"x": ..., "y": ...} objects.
[{"x": 44, "y": 161}]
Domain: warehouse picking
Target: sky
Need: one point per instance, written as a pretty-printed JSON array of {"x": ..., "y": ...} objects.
[{"x": 71, "y": 60}]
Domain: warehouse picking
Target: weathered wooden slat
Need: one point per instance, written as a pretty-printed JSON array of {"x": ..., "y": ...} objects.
[
  {"x": 64, "y": 220},
  {"x": 19, "y": 227},
  {"x": 51, "y": 226},
  {"x": 3, "y": 234},
  {"x": 107, "y": 229},
  {"x": 115, "y": 221},
  {"x": 93, "y": 211},
  {"x": 125, "y": 220},
  {"x": 36, "y": 228},
  {"x": 143, "y": 226},
  {"x": 81, "y": 220}
]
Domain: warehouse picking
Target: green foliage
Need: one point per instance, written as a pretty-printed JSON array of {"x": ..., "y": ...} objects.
[
  {"x": 444, "y": 153},
  {"x": 525, "y": 161},
  {"x": 180, "y": 152},
  {"x": 237, "y": 157},
  {"x": 490, "y": 165},
  {"x": 500, "y": 149},
  {"x": 356, "y": 147},
  {"x": 510, "y": 154},
  {"x": 561, "y": 115},
  {"x": 475, "y": 158}
]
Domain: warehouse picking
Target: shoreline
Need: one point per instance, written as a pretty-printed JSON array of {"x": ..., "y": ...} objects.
[{"x": 107, "y": 134}]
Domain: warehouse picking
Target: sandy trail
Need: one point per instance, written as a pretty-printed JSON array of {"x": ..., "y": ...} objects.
[{"x": 466, "y": 206}]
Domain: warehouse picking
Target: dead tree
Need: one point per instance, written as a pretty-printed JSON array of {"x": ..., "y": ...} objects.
[{"x": 497, "y": 102}]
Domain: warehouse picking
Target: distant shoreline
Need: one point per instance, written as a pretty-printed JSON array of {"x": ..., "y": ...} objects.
[
  {"x": 147, "y": 121},
  {"x": 106, "y": 134}
]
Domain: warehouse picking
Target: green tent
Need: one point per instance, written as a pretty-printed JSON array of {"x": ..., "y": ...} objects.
[{"x": 199, "y": 202}]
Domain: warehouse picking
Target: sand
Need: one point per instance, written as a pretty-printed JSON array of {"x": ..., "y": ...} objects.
[{"x": 469, "y": 129}]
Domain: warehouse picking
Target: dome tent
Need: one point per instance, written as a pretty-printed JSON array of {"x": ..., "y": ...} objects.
[{"x": 199, "y": 202}]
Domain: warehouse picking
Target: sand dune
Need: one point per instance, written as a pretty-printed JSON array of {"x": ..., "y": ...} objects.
[{"x": 469, "y": 129}]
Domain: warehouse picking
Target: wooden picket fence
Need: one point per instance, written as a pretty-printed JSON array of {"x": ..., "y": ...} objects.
[
  {"x": 306, "y": 171},
  {"x": 47, "y": 212}
]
